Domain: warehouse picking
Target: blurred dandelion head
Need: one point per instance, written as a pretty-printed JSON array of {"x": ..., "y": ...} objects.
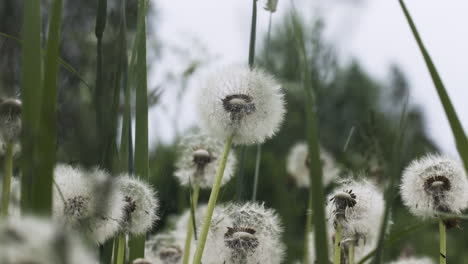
[
  {"x": 142, "y": 261},
  {"x": 434, "y": 184},
  {"x": 246, "y": 103},
  {"x": 164, "y": 248},
  {"x": 10, "y": 119},
  {"x": 271, "y": 5},
  {"x": 198, "y": 162},
  {"x": 141, "y": 205},
  {"x": 413, "y": 260}
]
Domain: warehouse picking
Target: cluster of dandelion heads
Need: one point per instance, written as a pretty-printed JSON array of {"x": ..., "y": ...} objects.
[
  {"x": 87, "y": 201},
  {"x": 32, "y": 240},
  {"x": 244, "y": 233},
  {"x": 358, "y": 206},
  {"x": 413, "y": 260},
  {"x": 246, "y": 103},
  {"x": 10, "y": 119},
  {"x": 298, "y": 164},
  {"x": 164, "y": 249},
  {"x": 141, "y": 205},
  {"x": 434, "y": 184},
  {"x": 199, "y": 159}
]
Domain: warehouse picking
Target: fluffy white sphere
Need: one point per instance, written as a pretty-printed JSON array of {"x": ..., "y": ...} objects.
[
  {"x": 33, "y": 240},
  {"x": 246, "y": 103},
  {"x": 434, "y": 184},
  {"x": 244, "y": 233},
  {"x": 141, "y": 205},
  {"x": 298, "y": 165},
  {"x": 87, "y": 201},
  {"x": 199, "y": 159},
  {"x": 424, "y": 260}
]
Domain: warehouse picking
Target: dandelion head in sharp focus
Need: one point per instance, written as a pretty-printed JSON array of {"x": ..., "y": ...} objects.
[
  {"x": 413, "y": 260},
  {"x": 434, "y": 184},
  {"x": 88, "y": 201},
  {"x": 244, "y": 233},
  {"x": 245, "y": 103},
  {"x": 165, "y": 249},
  {"x": 33, "y": 240},
  {"x": 10, "y": 119},
  {"x": 359, "y": 207},
  {"x": 141, "y": 205},
  {"x": 198, "y": 162},
  {"x": 298, "y": 165}
]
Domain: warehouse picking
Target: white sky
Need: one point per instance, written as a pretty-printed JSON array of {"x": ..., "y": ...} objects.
[{"x": 376, "y": 33}]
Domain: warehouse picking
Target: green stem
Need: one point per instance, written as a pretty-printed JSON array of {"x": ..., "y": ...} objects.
[
  {"x": 253, "y": 31},
  {"x": 351, "y": 252},
  {"x": 212, "y": 202},
  {"x": 7, "y": 174},
  {"x": 443, "y": 243},
  {"x": 190, "y": 224},
  {"x": 257, "y": 171},
  {"x": 337, "y": 258},
  {"x": 121, "y": 249},
  {"x": 308, "y": 230}
]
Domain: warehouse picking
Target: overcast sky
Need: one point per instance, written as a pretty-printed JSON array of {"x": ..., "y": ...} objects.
[{"x": 375, "y": 32}]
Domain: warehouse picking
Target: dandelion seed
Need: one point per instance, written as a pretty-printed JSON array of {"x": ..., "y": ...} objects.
[
  {"x": 10, "y": 120},
  {"x": 246, "y": 233},
  {"x": 298, "y": 165},
  {"x": 434, "y": 184},
  {"x": 79, "y": 202},
  {"x": 242, "y": 102},
  {"x": 33, "y": 240},
  {"x": 199, "y": 160},
  {"x": 140, "y": 207},
  {"x": 424, "y": 260}
]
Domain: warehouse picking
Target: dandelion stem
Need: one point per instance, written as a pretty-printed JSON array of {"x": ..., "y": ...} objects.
[
  {"x": 351, "y": 252},
  {"x": 337, "y": 258},
  {"x": 443, "y": 243},
  {"x": 7, "y": 174},
  {"x": 121, "y": 249},
  {"x": 257, "y": 172},
  {"x": 307, "y": 231},
  {"x": 191, "y": 224},
  {"x": 212, "y": 202}
]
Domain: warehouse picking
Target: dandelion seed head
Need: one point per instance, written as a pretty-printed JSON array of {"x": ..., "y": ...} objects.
[
  {"x": 434, "y": 184},
  {"x": 246, "y": 103},
  {"x": 10, "y": 119},
  {"x": 199, "y": 159},
  {"x": 87, "y": 201},
  {"x": 413, "y": 260},
  {"x": 141, "y": 205},
  {"x": 165, "y": 248},
  {"x": 244, "y": 233},
  {"x": 271, "y": 5},
  {"x": 298, "y": 165}
]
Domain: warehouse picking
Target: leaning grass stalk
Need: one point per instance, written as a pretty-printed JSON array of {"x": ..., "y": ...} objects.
[
  {"x": 212, "y": 202},
  {"x": 337, "y": 257},
  {"x": 7, "y": 175},
  {"x": 443, "y": 242},
  {"x": 351, "y": 252},
  {"x": 120, "y": 254},
  {"x": 191, "y": 224},
  {"x": 308, "y": 228},
  {"x": 457, "y": 129}
]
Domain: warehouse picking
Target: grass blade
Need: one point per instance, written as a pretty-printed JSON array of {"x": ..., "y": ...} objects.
[{"x": 457, "y": 129}]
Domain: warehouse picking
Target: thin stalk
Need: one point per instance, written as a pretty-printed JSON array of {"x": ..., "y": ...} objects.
[
  {"x": 120, "y": 256},
  {"x": 351, "y": 252},
  {"x": 257, "y": 171},
  {"x": 7, "y": 174},
  {"x": 308, "y": 228},
  {"x": 191, "y": 224},
  {"x": 212, "y": 202},
  {"x": 337, "y": 258},
  {"x": 443, "y": 242}
]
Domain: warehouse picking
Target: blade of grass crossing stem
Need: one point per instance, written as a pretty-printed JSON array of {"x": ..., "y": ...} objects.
[
  {"x": 42, "y": 192},
  {"x": 137, "y": 243},
  {"x": 31, "y": 87},
  {"x": 457, "y": 129},
  {"x": 316, "y": 190}
]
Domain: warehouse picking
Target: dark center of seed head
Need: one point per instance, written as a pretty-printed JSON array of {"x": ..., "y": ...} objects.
[
  {"x": 437, "y": 184},
  {"x": 10, "y": 107},
  {"x": 238, "y": 105},
  {"x": 241, "y": 238},
  {"x": 76, "y": 206},
  {"x": 172, "y": 254},
  {"x": 201, "y": 157},
  {"x": 342, "y": 201}
]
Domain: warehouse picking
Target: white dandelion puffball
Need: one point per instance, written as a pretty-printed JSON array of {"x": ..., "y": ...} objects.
[
  {"x": 165, "y": 249},
  {"x": 298, "y": 165},
  {"x": 10, "y": 119},
  {"x": 141, "y": 205},
  {"x": 88, "y": 201},
  {"x": 199, "y": 159},
  {"x": 245, "y": 103},
  {"x": 244, "y": 233},
  {"x": 424, "y": 260},
  {"x": 33, "y": 240},
  {"x": 434, "y": 184},
  {"x": 359, "y": 207}
]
